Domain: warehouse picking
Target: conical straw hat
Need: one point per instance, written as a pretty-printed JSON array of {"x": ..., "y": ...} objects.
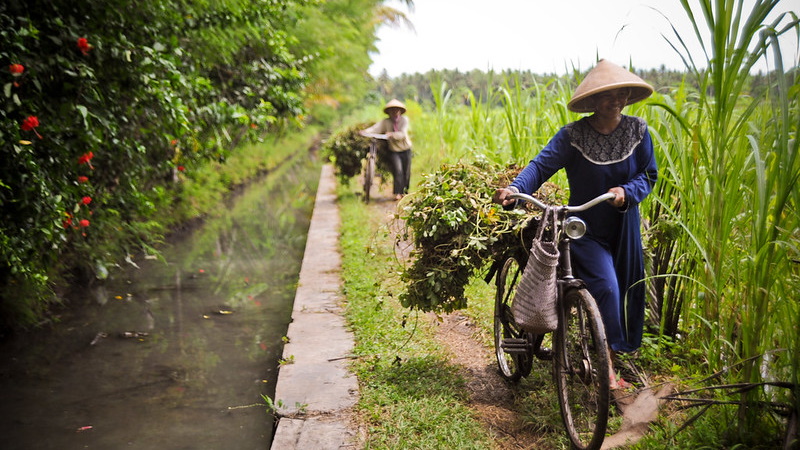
[
  {"x": 394, "y": 103},
  {"x": 606, "y": 76}
]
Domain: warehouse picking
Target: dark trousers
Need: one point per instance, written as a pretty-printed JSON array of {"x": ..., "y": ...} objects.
[
  {"x": 400, "y": 163},
  {"x": 622, "y": 312}
]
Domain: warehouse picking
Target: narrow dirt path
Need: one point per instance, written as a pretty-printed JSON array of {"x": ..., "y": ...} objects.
[
  {"x": 490, "y": 396},
  {"x": 493, "y": 400}
]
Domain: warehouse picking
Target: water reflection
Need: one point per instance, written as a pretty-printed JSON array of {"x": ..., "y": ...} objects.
[{"x": 176, "y": 353}]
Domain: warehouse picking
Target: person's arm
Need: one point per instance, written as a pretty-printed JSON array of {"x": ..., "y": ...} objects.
[
  {"x": 402, "y": 129},
  {"x": 640, "y": 186},
  {"x": 377, "y": 128},
  {"x": 550, "y": 160},
  {"x": 399, "y": 140},
  {"x": 553, "y": 157}
]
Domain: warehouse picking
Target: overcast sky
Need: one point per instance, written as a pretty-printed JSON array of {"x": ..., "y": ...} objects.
[{"x": 544, "y": 36}]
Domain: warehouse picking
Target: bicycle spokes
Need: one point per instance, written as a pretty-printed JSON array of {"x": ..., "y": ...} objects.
[{"x": 580, "y": 370}]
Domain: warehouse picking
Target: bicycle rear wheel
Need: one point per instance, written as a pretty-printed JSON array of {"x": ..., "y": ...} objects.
[
  {"x": 511, "y": 344},
  {"x": 369, "y": 173},
  {"x": 580, "y": 369}
]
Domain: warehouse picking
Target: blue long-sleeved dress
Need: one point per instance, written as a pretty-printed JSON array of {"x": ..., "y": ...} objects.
[{"x": 610, "y": 257}]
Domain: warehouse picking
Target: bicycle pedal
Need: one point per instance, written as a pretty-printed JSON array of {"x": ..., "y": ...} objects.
[
  {"x": 514, "y": 345},
  {"x": 544, "y": 353}
]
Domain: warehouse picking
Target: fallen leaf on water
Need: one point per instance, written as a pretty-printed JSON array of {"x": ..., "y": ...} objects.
[
  {"x": 98, "y": 337},
  {"x": 133, "y": 334}
]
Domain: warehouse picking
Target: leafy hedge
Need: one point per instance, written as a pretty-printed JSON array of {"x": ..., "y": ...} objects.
[{"x": 108, "y": 105}]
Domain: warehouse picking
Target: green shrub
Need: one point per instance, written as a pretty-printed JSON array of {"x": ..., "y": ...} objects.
[
  {"x": 347, "y": 150},
  {"x": 107, "y": 107}
]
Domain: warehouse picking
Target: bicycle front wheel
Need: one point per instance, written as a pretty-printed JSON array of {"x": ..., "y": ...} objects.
[
  {"x": 369, "y": 175},
  {"x": 514, "y": 358},
  {"x": 580, "y": 369}
]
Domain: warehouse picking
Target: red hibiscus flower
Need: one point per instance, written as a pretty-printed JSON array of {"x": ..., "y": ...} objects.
[
  {"x": 181, "y": 168},
  {"x": 86, "y": 158},
  {"x": 30, "y": 123},
  {"x": 86, "y": 200},
  {"x": 84, "y": 223},
  {"x": 83, "y": 179},
  {"x": 16, "y": 69},
  {"x": 84, "y": 46}
]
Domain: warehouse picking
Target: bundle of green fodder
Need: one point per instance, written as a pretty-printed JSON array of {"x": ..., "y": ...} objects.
[
  {"x": 347, "y": 150},
  {"x": 456, "y": 231}
]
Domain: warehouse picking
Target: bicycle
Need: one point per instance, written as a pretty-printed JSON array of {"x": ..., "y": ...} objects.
[
  {"x": 370, "y": 165},
  {"x": 580, "y": 355}
]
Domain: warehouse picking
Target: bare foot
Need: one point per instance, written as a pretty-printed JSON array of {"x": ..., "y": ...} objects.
[{"x": 615, "y": 383}]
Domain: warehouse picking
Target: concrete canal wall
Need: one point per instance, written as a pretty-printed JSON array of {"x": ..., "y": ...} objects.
[{"x": 315, "y": 392}]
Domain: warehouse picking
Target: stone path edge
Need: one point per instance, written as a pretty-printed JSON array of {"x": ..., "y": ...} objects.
[{"x": 315, "y": 391}]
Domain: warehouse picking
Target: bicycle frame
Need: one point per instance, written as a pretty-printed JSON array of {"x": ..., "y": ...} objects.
[
  {"x": 371, "y": 162},
  {"x": 581, "y": 356}
]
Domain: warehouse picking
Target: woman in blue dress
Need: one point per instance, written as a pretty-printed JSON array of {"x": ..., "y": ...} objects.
[{"x": 604, "y": 152}]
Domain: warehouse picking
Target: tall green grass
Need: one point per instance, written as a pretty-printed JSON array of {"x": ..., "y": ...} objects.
[{"x": 732, "y": 180}]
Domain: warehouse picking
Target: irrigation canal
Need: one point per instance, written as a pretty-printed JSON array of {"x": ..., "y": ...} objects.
[{"x": 174, "y": 353}]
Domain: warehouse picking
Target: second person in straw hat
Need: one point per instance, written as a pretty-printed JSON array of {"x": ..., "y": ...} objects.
[
  {"x": 604, "y": 152},
  {"x": 396, "y": 127}
]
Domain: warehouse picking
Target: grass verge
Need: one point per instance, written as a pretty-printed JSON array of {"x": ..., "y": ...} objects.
[{"x": 411, "y": 395}]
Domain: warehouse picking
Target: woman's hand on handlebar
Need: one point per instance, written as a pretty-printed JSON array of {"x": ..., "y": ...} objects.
[
  {"x": 619, "y": 200},
  {"x": 501, "y": 196}
]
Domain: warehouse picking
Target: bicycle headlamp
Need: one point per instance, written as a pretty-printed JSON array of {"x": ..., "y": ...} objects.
[{"x": 574, "y": 227}]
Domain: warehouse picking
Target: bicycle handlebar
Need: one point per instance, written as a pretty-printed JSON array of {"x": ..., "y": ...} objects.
[
  {"x": 541, "y": 205},
  {"x": 375, "y": 135}
]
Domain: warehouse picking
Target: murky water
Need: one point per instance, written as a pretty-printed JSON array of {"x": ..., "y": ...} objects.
[{"x": 175, "y": 354}]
